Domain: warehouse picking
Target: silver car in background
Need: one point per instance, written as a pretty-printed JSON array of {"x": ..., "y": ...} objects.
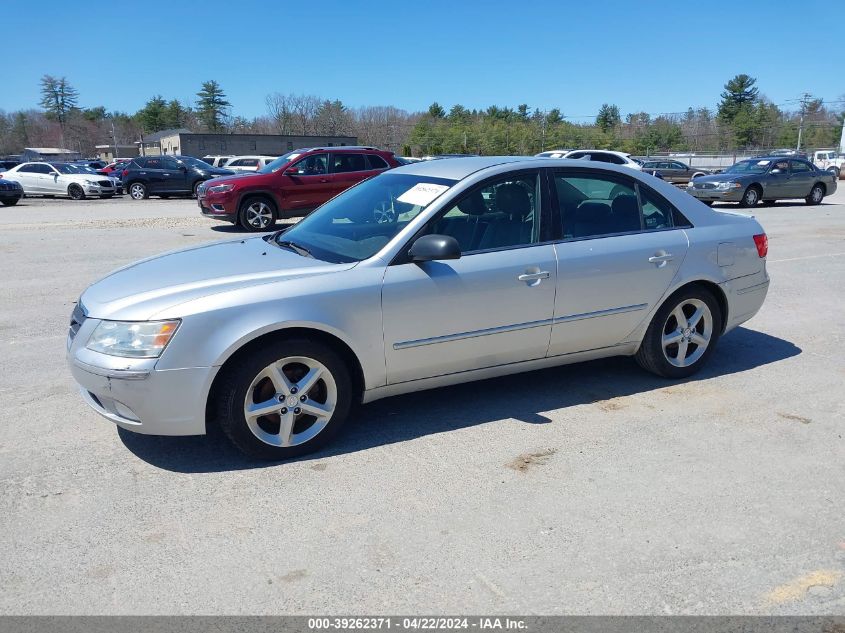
[{"x": 430, "y": 274}]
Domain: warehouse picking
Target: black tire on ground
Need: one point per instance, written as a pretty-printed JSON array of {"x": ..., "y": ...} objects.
[
  {"x": 751, "y": 196},
  {"x": 767, "y": 203},
  {"x": 816, "y": 194},
  {"x": 195, "y": 187},
  {"x": 138, "y": 191},
  {"x": 236, "y": 379},
  {"x": 10, "y": 203},
  {"x": 651, "y": 355},
  {"x": 257, "y": 213},
  {"x": 76, "y": 192}
]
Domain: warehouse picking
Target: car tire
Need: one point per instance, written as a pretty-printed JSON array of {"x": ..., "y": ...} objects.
[
  {"x": 834, "y": 171},
  {"x": 750, "y": 197},
  {"x": 9, "y": 203},
  {"x": 816, "y": 194},
  {"x": 75, "y": 192},
  {"x": 274, "y": 375},
  {"x": 195, "y": 187},
  {"x": 674, "y": 346},
  {"x": 767, "y": 203},
  {"x": 257, "y": 214},
  {"x": 138, "y": 191}
]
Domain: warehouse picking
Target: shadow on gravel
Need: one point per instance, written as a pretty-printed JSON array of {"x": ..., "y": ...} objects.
[{"x": 520, "y": 397}]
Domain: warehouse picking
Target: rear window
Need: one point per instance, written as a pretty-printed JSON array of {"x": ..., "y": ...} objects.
[{"x": 377, "y": 162}]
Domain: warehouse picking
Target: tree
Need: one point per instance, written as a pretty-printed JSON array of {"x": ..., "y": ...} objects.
[
  {"x": 739, "y": 94},
  {"x": 436, "y": 111},
  {"x": 153, "y": 116},
  {"x": 608, "y": 117},
  {"x": 58, "y": 98},
  {"x": 212, "y": 105},
  {"x": 175, "y": 114}
]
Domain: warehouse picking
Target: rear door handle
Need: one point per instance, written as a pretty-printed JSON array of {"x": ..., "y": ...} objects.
[
  {"x": 657, "y": 259},
  {"x": 543, "y": 274}
]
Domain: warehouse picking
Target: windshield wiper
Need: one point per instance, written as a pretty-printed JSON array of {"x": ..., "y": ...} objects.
[{"x": 296, "y": 248}]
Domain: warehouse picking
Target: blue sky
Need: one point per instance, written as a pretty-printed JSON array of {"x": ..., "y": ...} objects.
[{"x": 643, "y": 56}]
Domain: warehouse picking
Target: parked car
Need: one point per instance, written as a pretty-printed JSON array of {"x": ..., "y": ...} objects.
[
  {"x": 604, "y": 156},
  {"x": 249, "y": 163},
  {"x": 554, "y": 153},
  {"x": 166, "y": 176},
  {"x": 85, "y": 169},
  {"x": 292, "y": 185},
  {"x": 829, "y": 160},
  {"x": 117, "y": 166},
  {"x": 217, "y": 161},
  {"x": 674, "y": 171},
  {"x": 765, "y": 179},
  {"x": 93, "y": 164},
  {"x": 442, "y": 156},
  {"x": 275, "y": 337},
  {"x": 60, "y": 179},
  {"x": 8, "y": 164},
  {"x": 10, "y": 192}
]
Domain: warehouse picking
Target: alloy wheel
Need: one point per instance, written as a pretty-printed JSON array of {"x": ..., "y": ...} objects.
[
  {"x": 137, "y": 192},
  {"x": 259, "y": 215},
  {"x": 687, "y": 332},
  {"x": 290, "y": 401},
  {"x": 816, "y": 194}
]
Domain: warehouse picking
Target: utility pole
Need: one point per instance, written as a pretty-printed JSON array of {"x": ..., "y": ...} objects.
[
  {"x": 804, "y": 100},
  {"x": 114, "y": 138},
  {"x": 842, "y": 138}
]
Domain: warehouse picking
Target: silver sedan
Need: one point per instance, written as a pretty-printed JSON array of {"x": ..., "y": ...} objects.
[{"x": 431, "y": 274}]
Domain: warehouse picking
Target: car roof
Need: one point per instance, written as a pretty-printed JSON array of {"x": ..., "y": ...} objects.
[{"x": 459, "y": 168}]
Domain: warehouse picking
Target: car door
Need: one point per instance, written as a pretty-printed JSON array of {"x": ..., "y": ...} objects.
[
  {"x": 52, "y": 181},
  {"x": 27, "y": 176},
  {"x": 802, "y": 178},
  {"x": 174, "y": 175},
  {"x": 492, "y": 306},
  {"x": 777, "y": 183},
  {"x": 308, "y": 182},
  {"x": 620, "y": 250},
  {"x": 151, "y": 172},
  {"x": 680, "y": 173}
]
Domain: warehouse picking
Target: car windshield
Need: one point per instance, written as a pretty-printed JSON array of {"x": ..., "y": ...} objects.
[
  {"x": 79, "y": 169},
  {"x": 64, "y": 168},
  {"x": 749, "y": 167},
  {"x": 281, "y": 161},
  {"x": 195, "y": 162},
  {"x": 359, "y": 222}
]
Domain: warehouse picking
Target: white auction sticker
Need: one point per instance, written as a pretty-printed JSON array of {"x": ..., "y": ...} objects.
[
  {"x": 763, "y": 162},
  {"x": 421, "y": 194}
]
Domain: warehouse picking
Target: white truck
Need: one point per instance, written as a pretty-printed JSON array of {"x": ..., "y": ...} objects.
[{"x": 829, "y": 160}]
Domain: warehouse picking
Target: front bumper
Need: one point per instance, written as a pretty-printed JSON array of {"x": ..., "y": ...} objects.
[
  {"x": 98, "y": 190},
  {"x": 11, "y": 194},
  {"x": 716, "y": 195},
  {"x": 217, "y": 206},
  {"x": 136, "y": 396}
]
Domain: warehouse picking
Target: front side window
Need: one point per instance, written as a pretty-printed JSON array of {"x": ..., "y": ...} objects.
[
  {"x": 313, "y": 165},
  {"x": 500, "y": 214},
  {"x": 169, "y": 163},
  {"x": 596, "y": 205},
  {"x": 348, "y": 162},
  {"x": 359, "y": 222}
]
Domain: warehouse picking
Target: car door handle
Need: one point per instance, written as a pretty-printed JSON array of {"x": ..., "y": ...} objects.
[
  {"x": 324, "y": 179},
  {"x": 543, "y": 274},
  {"x": 657, "y": 259}
]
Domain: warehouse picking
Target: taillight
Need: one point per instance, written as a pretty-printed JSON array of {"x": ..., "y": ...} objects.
[
  {"x": 762, "y": 243},
  {"x": 124, "y": 172}
]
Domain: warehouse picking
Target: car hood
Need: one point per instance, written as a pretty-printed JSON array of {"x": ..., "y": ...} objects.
[
  {"x": 720, "y": 178},
  {"x": 232, "y": 177},
  {"x": 141, "y": 290}
]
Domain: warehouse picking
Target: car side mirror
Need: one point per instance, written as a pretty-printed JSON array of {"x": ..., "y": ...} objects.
[
  {"x": 434, "y": 247},
  {"x": 777, "y": 171}
]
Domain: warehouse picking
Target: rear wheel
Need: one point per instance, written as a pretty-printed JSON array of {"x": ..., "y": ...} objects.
[
  {"x": 138, "y": 191},
  {"x": 816, "y": 194},
  {"x": 10, "y": 203},
  {"x": 682, "y": 334},
  {"x": 835, "y": 171},
  {"x": 285, "y": 399},
  {"x": 256, "y": 214},
  {"x": 751, "y": 197},
  {"x": 76, "y": 192}
]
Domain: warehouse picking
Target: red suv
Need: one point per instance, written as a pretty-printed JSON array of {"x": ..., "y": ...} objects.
[{"x": 292, "y": 185}]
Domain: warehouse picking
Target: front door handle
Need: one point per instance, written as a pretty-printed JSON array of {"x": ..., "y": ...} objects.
[
  {"x": 324, "y": 179},
  {"x": 656, "y": 259},
  {"x": 543, "y": 274}
]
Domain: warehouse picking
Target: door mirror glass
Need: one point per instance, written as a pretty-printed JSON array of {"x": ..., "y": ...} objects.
[
  {"x": 777, "y": 171},
  {"x": 434, "y": 247}
]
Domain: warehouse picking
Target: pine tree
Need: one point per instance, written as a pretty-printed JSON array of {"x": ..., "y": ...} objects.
[
  {"x": 212, "y": 106},
  {"x": 58, "y": 98}
]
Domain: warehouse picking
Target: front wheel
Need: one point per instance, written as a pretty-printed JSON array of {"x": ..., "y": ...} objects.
[
  {"x": 256, "y": 214},
  {"x": 76, "y": 192},
  {"x": 10, "y": 203},
  {"x": 816, "y": 195},
  {"x": 681, "y": 335},
  {"x": 751, "y": 197},
  {"x": 138, "y": 191},
  {"x": 285, "y": 399}
]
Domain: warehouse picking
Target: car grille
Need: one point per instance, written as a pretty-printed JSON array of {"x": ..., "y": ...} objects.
[
  {"x": 77, "y": 318},
  {"x": 8, "y": 187},
  {"x": 105, "y": 183},
  {"x": 704, "y": 185}
]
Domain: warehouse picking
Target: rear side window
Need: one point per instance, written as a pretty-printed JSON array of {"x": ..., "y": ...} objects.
[
  {"x": 613, "y": 158},
  {"x": 28, "y": 169},
  {"x": 377, "y": 162},
  {"x": 597, "y": 205},
  {"x": 348, "y": 162},
  {"x": 799, "y": 166},
  {"x": 152, "y": 163}
]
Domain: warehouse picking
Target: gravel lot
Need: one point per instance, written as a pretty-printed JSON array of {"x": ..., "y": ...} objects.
[{"x": 586, "y": 489}]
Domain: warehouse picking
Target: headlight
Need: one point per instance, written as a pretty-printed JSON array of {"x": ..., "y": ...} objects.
[
  {"x": 92, "y": 183},
  {"x": 220, "y": 188},
  {"x": 728, "y": 185},
  {"x": 139, "y": 339}
]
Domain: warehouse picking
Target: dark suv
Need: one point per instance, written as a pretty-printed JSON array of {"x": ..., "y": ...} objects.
[
  {"x": 166, "y": 176},
  {"x": 292, "y": 185}
]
